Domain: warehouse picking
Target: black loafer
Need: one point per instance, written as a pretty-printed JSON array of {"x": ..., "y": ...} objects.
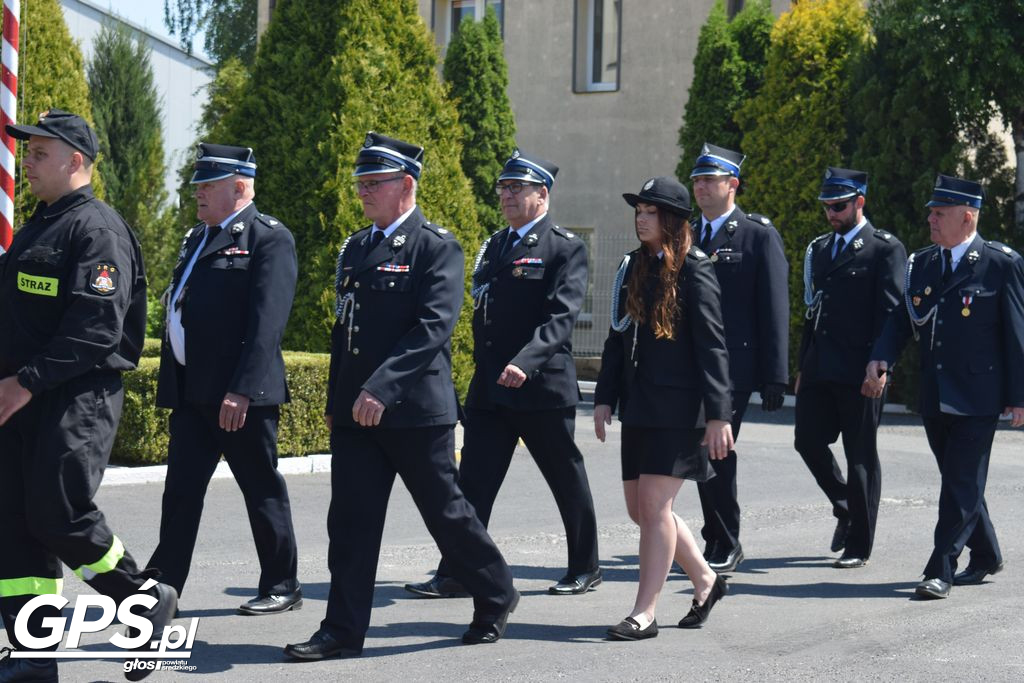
[
  {"x": 840, "y": 534},
  {"x": 575, "y": 585},
  {"x": 36, "y": 670},
  {"x": 322, "y": 645},
  {"x": 272, "y": 604},
  {"x": 480, "y": 632},
  {"x": 438, "y": 587},
  {"x": 972, "y": 576},
  {"x": 850, "y": 562},
  {"x": 698, "y": 614},
  {"x": 933, "y": 589},
  {"x": 726, "y": 562},
  {"x": 159, "y": 615},
  {"x": 629, "y": 629}
]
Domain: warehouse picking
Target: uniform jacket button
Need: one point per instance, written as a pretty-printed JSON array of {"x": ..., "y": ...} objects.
[
  {"x": 356, "y": 285},
  {"x": 391, "y": 284},
  {"x": 938, "y": 366},
  {"x": 355, "y": 328},
  {"x": 355, "y": 352},
  {"x": 487, "y": 343}
]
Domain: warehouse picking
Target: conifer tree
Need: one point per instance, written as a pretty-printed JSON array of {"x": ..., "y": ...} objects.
[{"x": 476, "y": 72}]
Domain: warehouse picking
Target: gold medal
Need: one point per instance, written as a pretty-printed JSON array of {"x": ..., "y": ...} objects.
[
  {"x": 965, "y": 312},
  {"x": 916, "y": 300},
  {"x": 927, "y": 291}
]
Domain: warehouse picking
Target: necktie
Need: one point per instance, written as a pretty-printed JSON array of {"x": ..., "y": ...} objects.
[
  {"x": 840, "y": 243},
  {"x": 510, "y": 242},
  {"x": 376, "y": 238},
  {"x": 947, "y": 265},
  {"x": 211, "y": 233},
  {"x": 706, "y": 239}
]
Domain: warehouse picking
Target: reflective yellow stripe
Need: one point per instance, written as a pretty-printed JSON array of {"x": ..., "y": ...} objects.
[
  {"x": 30, "y": 585},
  {"x": 105, "y": 563},
  {"x": 37, "y": 284}
]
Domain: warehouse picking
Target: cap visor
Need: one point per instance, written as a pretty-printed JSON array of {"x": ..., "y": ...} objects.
[
  {"x": 367, "y": 169},
  {"x": 25, "y": 132},
  {"x": 208, "y": 175}
]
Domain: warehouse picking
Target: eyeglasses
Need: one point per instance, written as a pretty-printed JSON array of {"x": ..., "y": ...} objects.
[
  {"x": 371, "y": 186},
  {"x": 514, "y": 188},
  {"x": 837, "y": 207}
]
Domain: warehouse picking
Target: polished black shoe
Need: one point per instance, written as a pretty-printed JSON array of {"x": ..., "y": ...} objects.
[
  {"x": 933, "y": 589},
  {"x": 972, "y": 576},
  {"x": 322, "y": 645},
  {"x": 480, "y": 632},
  {"x": 698, "y": 614},
  {"x": 273, "y": 604},
  {"x": 850, "y": 562},
  {"x": 159, "y": 615},
  {"x": 438, "y": 587},
  {"x": 726, "y": 562},
  {"x": 34, "y": 670},
  {"x": 840, "y": 534},
  {"x": 629, "y": 629},
  {"x": 575, "y": 585}
]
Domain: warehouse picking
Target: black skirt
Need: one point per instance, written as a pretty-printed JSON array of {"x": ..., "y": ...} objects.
[{"x": 669, "y": 452}]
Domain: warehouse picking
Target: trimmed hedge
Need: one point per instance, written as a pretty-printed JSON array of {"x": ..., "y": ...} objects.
[{"x": 143, "y": 435}]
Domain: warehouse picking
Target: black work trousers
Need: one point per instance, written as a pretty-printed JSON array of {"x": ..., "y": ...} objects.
[{"x": 718, "y": 495}]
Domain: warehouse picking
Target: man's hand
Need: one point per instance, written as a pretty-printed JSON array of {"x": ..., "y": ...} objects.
[
  {"x": 232, "y": 411},
  {"x": 13, "y": 397},
  {"x": 511, "y": 377},
  {"x": 602, "y": 417},
  {"x": 875, "y": 378},
  {"x": 718, "y": 439},
  {"x": 772, "y": 396},
  {"x": 1016, "y": 420},
  {"x": 367, "y": 410}
]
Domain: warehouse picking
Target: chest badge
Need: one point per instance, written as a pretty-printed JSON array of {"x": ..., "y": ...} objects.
[
  {"x": 966, "y": 311},
  {"x": 858, "y": 243},
  {"x": 105, "y": 281},
  {"x": 517, "y": 271},
  {"x": 927, "y": 290}
]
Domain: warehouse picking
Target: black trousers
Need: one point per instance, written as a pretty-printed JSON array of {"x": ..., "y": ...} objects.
[
  {"x": 718, "y": 496},
  {"x": 490, "y": 438},
  {"x": 364, "y": 463},
  {"x": 196, "y": 444},
  {"x": 962, "y": 445},
  {"x": 824, "y": 411},
  {"x": 53, "y": 453}
]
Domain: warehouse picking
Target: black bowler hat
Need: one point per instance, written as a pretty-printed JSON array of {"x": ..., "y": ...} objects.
[
  {"x": 950, "y": 191},
  {"x": 715, "y": 160},
  {"x": 216, "y": 162},
  {"x": 71, "y": 128},
  {"x": 663, "y": 191},
  {"x": 381, "y": 154},
  {"x": 529, "y": 170},
  {"x": 843, "y": 183}
]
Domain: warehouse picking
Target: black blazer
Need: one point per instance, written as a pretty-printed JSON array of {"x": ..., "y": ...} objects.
[
  {"x": 235, "y": 307},
  {"x": 404, "y": 299},
  {"x": 974, "y": 363},
  {"x": 857, "y": 292},
  {"x": 526, "y": 317},
  {"x": 677, "y": 383},
  {"x": 750, "y": 263}
]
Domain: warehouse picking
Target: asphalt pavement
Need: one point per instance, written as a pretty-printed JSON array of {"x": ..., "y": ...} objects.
[{"x": 789, "y": 615}]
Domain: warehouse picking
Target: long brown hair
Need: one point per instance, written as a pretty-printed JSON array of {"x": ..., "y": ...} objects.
[{"x": 675, "y": 243}]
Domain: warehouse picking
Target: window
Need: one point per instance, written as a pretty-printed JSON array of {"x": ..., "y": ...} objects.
[
  {"x": 448, "y": 15},
  {"x": 597, "y": 45}
]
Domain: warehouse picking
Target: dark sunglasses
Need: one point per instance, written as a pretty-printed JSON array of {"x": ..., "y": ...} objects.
[{"x": 837, "y": 207}]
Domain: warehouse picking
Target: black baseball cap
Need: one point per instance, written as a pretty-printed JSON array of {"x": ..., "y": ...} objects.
[{"x": 55, "y": 123}]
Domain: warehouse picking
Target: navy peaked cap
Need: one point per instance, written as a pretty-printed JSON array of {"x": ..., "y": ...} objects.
[
  {"x": 216, "y": 162},
  {"x": 529, "y": 169},
  {"x": 381, "y": 154}
]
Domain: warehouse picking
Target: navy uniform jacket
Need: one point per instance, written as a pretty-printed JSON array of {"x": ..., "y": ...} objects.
[
  {"x": 671, "y": 383},
  {"x": 750, "y": 263},
  {"x": 235, "y": 306},
  {"x": 526, "y": 306},
  {"x": 973, "y": 364},
  {"x": 398, "y": 308},
  {"x": 853, "y": 297},
  {"x": 72, "y": 294}
]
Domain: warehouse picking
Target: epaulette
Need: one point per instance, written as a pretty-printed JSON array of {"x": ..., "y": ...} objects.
[
  {"x": 883, "y": 235},
  {"x": 267, "y": 220},
  {"x": 1000, "y": 247},
  {"x": 821, "y": 237},
  {"x": 562, "y": 232},
  {"x": 925, "y": 250},
  {"x": 758, "y": 218},
  {"x": 697, "y": 253},
  {"x": 438, "y": 230}
]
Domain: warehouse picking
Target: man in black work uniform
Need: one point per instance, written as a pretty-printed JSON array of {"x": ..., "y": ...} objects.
[
  {"x": 391, "y": 405},
  {"x": 853, "y": 279},
  {"x": 965, "y": 305},
  {"x": 528, "y": 288},
  {"x": 751, "y": 267},
  {"x": 73, "y": 315},
  {"x": 222, "y": 373}
]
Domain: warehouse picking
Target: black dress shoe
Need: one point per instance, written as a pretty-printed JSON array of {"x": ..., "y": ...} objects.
[
  {"x": 34, "y": 670},
  {"x": 480, "y": 632},
  {"x": 698, "y": 614},
  {"x": 840, "y": 534},
  {"x": 322, "y": 645},
  {"x": 438, "y": 587},
  {"x": 629, "y": 629},
  {"x": 973, "y": 576},
  {"x": 726, "y": 562},
  {"x": 933, "y": 589},
  {"x": 850, "y": 562},
  {"x": 159, "y": 615},
  {"x": 575, "y": 585},
  {"x": 273, "y": 604}
]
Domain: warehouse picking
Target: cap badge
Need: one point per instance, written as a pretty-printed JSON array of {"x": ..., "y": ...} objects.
[
  {"x": 649, "y": 184},
  {"x": 704, "y": 149},
  {"x": 368, "y": 140},
  {"x": 515, "y": 154},
  {"x": 828, "y": 173}
]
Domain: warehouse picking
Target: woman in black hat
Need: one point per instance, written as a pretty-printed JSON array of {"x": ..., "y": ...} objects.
[{"x": 665, "y": 364}]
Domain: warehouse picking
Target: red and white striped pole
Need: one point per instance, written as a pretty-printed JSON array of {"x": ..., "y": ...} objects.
[{"x": 8, "y": 114}]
